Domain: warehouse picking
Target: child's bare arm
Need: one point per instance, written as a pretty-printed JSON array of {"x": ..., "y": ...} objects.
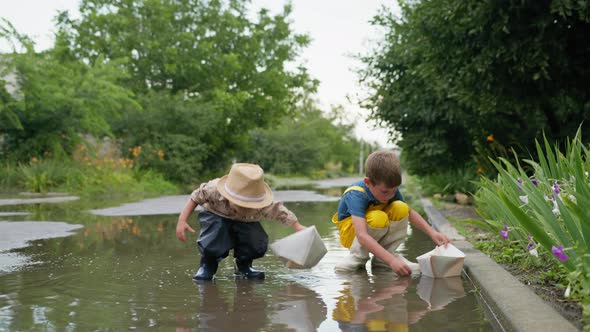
[
  {"x": 182, "y": 224},
  {"x": 437, "y": 237},
  {"x": 367, "y": 241},
  {"x": 297, "y": 226}
]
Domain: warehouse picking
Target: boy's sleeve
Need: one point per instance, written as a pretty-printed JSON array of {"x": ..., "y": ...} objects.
[
  {"x": 202, "y": 194},
  {"x": 354, "y": 203},
  {"x": 278, "y": 212}
]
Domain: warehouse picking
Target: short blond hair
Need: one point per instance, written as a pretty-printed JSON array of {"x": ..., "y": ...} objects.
[{"x": 383, "y": 166}]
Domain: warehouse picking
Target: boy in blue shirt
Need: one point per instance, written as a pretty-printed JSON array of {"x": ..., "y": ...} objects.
[{"x": 373, "y": 218}]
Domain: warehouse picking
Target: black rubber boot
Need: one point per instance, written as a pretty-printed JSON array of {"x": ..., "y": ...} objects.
[
  {"x": 207, "y": 269},
  {"x": 244, "y": 268}
]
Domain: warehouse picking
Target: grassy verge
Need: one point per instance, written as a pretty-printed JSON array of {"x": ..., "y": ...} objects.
[
  {"x": 547, "y": 278},
  {"x": 87, "y": 178}
]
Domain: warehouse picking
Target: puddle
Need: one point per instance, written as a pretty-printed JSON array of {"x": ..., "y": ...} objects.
[{"x": 131, "y": 273}]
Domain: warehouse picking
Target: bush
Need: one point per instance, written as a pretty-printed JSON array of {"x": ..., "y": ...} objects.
[
  {"x": 43, "y": 175},
  {"x": 450, "y": 182}
]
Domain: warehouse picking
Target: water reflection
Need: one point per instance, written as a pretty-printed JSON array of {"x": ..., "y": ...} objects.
[
  {"x": 387, "y": 304},
  {"x": 298, "y": 308},
  {"x": 440, "y": 292},
  {"x": 248, "y": 307}
]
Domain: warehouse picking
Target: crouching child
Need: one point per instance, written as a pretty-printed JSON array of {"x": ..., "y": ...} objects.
[{"x": 373, "y": 218}]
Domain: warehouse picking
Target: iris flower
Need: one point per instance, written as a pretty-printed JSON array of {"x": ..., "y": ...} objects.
[
  {"x": 556, "y": 188},
  {"x": 504, "y": 232},
  {"x": 558, "y": 252},
  {"x": 531, "y": 247},
  {"x": 531, "y": 242}
]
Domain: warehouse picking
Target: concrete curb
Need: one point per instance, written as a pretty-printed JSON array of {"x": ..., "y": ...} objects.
[{"x": 515, "y": 306}]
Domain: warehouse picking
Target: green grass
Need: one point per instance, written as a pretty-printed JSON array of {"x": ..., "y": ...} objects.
[{"x": 42, "y": 176}]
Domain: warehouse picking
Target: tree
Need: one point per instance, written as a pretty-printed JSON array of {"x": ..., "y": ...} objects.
[
  {"x": 204, "y": 52},
  {"x": 59, "y": 99},
  {"x": 304, "y": 143},
  {"x": 450, "y": 73}
]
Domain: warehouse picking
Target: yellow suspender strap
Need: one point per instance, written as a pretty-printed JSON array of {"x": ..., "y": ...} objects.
[
  {"x": 357, "y": 188},
  {"x": 345, "y": 227}
]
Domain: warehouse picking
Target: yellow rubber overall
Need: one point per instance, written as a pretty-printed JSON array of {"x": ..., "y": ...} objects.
[{"x": 386, "y": 223}]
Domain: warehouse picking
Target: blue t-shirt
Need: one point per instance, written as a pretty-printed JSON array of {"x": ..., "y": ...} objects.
[{"x": 356, "y": 202}]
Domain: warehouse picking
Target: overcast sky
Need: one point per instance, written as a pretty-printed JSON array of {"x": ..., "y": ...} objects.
[{"x": 338, "y": 30}]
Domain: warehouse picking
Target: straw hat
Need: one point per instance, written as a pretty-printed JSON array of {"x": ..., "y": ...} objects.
[{"x": 245, "y": 186}]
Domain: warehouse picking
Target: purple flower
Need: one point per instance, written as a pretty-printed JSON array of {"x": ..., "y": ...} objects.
[
  {"x": 535, "y": 182},
  {"x": 531, "y": 245},
  {"x": 504, "y": 232},
  {"x": 556, "y": 188},
  {"x": 558, "y": 252},
  {"x": 519, "y": 182}
]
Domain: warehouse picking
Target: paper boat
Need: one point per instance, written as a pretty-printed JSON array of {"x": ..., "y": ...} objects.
[
  {"x": 303, "y": 249},
  {"x": 442, "y": 262},
  {"x": 440, "y": 292}
]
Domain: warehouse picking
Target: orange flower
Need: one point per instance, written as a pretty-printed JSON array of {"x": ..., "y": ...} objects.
[
  {"x": 490, "y": 138},
  {"x": 479, "y": 170},
  {"x": 136, "y": 151}
]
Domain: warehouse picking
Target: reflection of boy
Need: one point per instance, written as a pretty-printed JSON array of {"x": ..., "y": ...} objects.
[
  {"x": 373, "y": 218},
  {"x": 233, "y": 206},
  {"x": 377, "y": 306}
]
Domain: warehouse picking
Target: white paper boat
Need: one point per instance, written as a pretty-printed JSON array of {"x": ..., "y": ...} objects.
[
  {"x": 303, "y": 249},
  {"x": 440, "y": 292},
  {"x": 442, "y": 262}
]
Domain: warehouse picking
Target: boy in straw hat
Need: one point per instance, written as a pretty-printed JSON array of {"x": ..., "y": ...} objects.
[{"x": 233, "y": 206}]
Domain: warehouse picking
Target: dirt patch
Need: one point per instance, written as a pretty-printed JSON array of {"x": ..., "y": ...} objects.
[{"x": 552, "y": 294}]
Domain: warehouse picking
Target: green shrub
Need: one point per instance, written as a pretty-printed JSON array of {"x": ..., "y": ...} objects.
[
  {"x": 43, "y": 175},
  {"x": 450, "y": 182},
  {"x": 9, "y": 175}
]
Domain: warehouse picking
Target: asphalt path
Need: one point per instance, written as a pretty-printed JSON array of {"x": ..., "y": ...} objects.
[
  {"x": 174, "y": 204},
  {"x": 19, "y": 234}
]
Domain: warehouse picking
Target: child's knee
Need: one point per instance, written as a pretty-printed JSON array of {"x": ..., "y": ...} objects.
[
  {"x": 377, "y": 219},
  {"x": 397, "y": 210}
]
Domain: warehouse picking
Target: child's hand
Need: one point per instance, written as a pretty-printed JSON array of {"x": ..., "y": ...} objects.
[
  {"x": 399, "y": 267},
  {"x": 181, "y": 227},
  {"x": 440, "y": 238}
]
